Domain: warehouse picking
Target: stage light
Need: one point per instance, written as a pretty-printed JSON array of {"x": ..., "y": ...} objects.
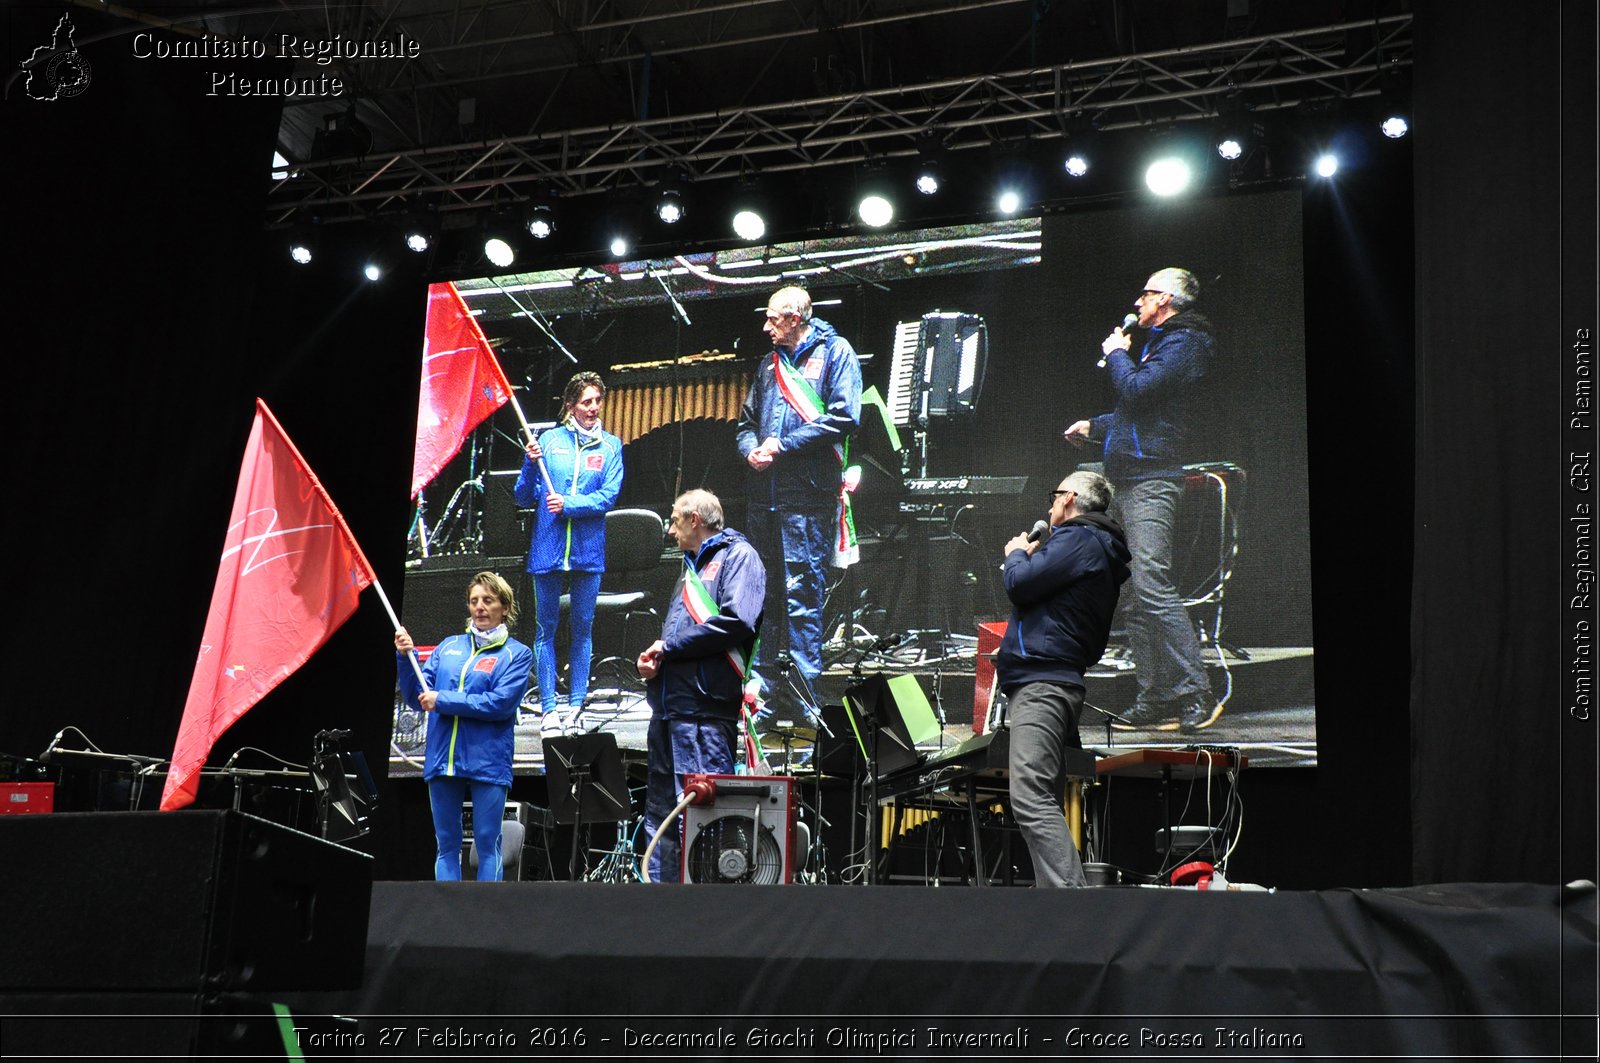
[
  {"x": 1009, "y": 201},
  {"x": 1235, "y": 131},
  {"x": 927, "y": 180},
  {"x": 619, "y": 246},
  {"x": 417, "y": 232},
  {"x": 1395, "y": 126},
  {"x": 540, "y": 221},
  {"x": 1076, "y": 164},
  {"x": 1167, "y": 176},
  {"x": 1327, "y": 164},
  {"x": 669, "y": 208},
  {"x": 302, "y": 245},
  {"x": 875, "y": 210},
  {"x": 749, "y": 225},
  {"x": 373, "y": 270},
  {"x": 499, "y": 252}
]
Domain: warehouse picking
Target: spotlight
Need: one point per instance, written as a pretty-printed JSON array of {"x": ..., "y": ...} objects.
[
  {"x": 1235, "y": 131},
  {"x": 1327, "y": 165},
  {"x": 540, "y": 221},
  {"x": 418, "y": 233},
  {"x": 619, "y": 246},
  {"x": 927, "y": 179},
  {"x": 749, "y": 225},
  {"x": 1076, "y": 164},
  {"x": 1167, "y": 176},
  {"x": 1009, "y": 201},
  {"x": 302, "y": 245},
  {"x": 1395, "y": 126},
  {"x": 373, "y": 270},
  {"x": 875, "y": 210},
  {"x": 499, "y": 252},
  {"x": 669, "y": 208}
]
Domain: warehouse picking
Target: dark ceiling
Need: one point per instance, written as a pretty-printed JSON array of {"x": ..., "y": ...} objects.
[{"x": 508, "y": 99}]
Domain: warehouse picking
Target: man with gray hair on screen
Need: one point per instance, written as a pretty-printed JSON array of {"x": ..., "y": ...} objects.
[
  {"x": 1063, "y": 582},
  {"x": 1148, "y": 437}
]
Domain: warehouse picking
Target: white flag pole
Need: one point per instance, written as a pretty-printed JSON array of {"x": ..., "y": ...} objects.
[
  {"x": 416, "y": 665},
  {"x": 528, "y": 431}
]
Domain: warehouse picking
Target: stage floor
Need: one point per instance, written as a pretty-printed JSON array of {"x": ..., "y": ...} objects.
[{"x": 1450, "y": 971}]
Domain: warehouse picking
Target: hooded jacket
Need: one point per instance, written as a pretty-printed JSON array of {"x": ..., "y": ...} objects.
[
  {"x": 807, "y": 464},
  {"x": 697, "y": 678},
  {"x": 1062, "y": 601},
  {"x": 587, "y": 474},
  {"x": 1159, "y": 400},
  {"x": 471, "y": 730}
]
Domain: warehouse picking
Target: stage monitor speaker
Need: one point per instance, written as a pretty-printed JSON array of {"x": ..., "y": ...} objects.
[
  {"x": 192, "y": 900},
  {"x": 744, "y": 834}
]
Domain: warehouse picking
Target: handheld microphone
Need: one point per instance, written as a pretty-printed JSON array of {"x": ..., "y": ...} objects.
[
  {"x": 1128, "y": 322},
  {"x": 887, "y": 642},
  {"x": 1040, "y": 530}
]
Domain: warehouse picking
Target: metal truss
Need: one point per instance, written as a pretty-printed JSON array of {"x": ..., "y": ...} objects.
[{"x": 1268, "y": 73}]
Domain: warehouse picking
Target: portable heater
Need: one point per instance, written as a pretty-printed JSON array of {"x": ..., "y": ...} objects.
[{"x": 744, "y": 831}]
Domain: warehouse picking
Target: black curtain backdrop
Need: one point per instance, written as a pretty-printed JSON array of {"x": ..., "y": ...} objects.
[
  {"x": 1503, "y": 779},
  {"x": 148, "y": 308}
]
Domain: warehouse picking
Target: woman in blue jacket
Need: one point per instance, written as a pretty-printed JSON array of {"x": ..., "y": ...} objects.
[
  {"x": 475, "y": 681},
  {"x": 569, "y": 534}
]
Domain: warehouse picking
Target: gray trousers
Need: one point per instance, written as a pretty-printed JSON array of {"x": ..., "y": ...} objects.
[{"x": 1044, "y": 723}]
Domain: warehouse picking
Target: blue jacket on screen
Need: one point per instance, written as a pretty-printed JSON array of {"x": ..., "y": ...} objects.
[
  {"x": 587, "y": 474},
  {"x": 696, "y": 677},
  {"x": 1062, "y": 600},
  {"x": 470, "y": 731},
  {"x": 1159, "y": 400},
  {"x": 808, "y": 464}
]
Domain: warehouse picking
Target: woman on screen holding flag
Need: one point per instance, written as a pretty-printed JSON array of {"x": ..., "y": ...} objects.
[{"x": 584, "y": 463}]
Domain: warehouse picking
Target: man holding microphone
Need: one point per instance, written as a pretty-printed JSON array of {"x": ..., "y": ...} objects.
[{"x": 1063, "y": 580}]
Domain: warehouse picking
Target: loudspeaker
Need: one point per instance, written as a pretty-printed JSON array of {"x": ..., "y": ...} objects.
[
  {"x": 193, "y": 900},
  {"x": 745, "y": 833}
]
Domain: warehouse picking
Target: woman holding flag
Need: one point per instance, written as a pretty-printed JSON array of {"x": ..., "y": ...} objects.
[
  {"x": 695, "y": 672},
  {"x": 570, "y": 477},
  {"x": 470, "y": 689}
]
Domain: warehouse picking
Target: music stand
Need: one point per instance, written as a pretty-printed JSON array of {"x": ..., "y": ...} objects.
[
  {"x": 894, "y": 715},
  {"x": 586, "y": 783}
]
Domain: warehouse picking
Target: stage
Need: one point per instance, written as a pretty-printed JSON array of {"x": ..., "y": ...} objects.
[{"x": 1454, "y": 970}]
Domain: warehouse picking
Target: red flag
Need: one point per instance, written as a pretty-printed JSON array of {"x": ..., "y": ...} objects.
[
  {"x": 291, "y": 573},
  {"x": 462, "y": 383}
]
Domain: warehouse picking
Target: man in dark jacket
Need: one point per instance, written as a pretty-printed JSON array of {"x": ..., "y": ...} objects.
[
  {"x": 695, "y": 672},
  {"x": 1063, "y": 591},
  {"x": 803, "y": 404},
  {"x": 1147, "y": 441}
]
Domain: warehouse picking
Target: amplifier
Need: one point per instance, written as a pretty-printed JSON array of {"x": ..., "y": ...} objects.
[{"x": 22, "y": 798}]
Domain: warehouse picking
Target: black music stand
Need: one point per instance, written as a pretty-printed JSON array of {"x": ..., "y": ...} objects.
[
  {"x": 887, "y": 724},
  {"x": 586, "y": 783}
]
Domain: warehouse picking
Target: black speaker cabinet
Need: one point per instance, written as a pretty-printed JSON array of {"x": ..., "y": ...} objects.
[{"x": 188, "y": 901}]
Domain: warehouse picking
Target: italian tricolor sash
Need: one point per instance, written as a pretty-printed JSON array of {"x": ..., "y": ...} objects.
[
  {"x": 804, "y": 400},
  {"x": 702, "y": 607}
]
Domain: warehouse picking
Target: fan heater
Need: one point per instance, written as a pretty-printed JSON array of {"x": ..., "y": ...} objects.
[{"x": 743, "y": 829}]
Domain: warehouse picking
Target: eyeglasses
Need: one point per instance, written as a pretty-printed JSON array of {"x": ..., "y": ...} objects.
[{"x": 1058, "y": 492}]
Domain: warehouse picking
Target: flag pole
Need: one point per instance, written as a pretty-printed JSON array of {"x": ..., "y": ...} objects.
[
  {"x": 416, "y": 666},
  {"x": 528, "y": 431}
]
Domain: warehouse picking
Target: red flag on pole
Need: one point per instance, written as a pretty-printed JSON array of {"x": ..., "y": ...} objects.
[
  {"x": 462, "y": 383},
  {"x": 291, "y": 573}
]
